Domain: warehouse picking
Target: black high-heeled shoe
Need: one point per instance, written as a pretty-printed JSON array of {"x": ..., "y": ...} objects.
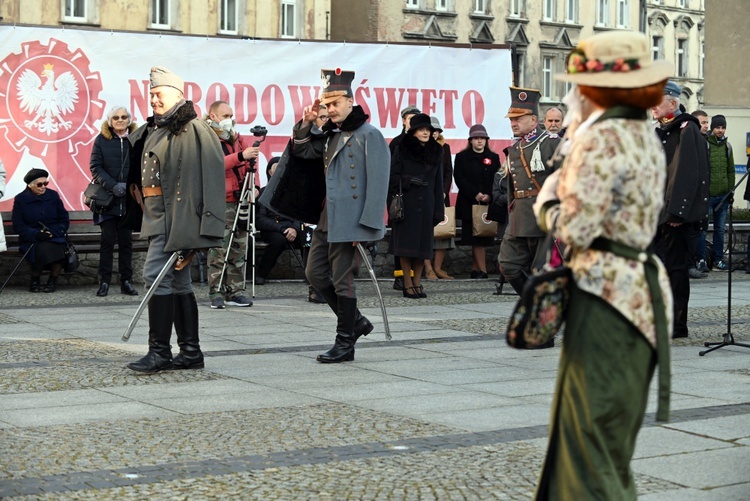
[
  {"x": 414, "y": 294},
  {"x": 420, "y": 291}
]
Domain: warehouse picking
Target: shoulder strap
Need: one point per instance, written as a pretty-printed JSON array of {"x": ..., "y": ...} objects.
[{"x": 528, "y": 170}]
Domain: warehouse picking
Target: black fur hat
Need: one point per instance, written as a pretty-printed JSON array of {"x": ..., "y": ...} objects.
[{"x": 418, "y": 121}]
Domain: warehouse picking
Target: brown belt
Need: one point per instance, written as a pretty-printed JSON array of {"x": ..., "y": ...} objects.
[
  {"x": 152, "y": 191},
  {"x": 525, "y": 193}
]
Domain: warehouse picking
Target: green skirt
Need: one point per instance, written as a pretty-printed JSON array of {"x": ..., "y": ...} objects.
[{"x": 605, "y": 369}]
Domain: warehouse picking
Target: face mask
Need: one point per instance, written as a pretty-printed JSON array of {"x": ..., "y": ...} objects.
[{"x": 224, "y": 128}]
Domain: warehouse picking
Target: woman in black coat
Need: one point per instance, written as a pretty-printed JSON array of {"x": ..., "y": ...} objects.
[
  {"x": 41, "y": 221},
  {"x": 110, "y": 164},
  {"x": 473, "y": 171},
  {"x": 417, "y": 167}
]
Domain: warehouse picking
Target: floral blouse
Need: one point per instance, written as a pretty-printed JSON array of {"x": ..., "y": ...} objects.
[{"x": 612, "y": 185}]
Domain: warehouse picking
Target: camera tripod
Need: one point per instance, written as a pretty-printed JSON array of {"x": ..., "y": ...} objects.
[
  {"x": 728, "y": 338},
  {"x": 245, "y": 211}
]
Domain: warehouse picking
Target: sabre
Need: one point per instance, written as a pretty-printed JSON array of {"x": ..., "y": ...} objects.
[
  {"x": 150, "y": 292},
  {"x": 363, "y": 253}
]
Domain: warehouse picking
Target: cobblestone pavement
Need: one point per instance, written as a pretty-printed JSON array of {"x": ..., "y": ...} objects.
[{"x": 443, "y": 411}]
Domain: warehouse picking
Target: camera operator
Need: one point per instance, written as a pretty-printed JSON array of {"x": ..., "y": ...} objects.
[{"x": 239, "y": 159}]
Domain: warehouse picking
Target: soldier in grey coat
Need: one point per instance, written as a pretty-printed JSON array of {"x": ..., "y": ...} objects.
[
  {"x": 526, "y": 167},
  {"x": 357, "y": 169},
  {"x": 181, "y": 165}
]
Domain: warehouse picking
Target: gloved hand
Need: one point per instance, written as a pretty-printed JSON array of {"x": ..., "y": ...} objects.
[
  {"x": 119, "y": 190},
  {"x": 43, "y": 236}
]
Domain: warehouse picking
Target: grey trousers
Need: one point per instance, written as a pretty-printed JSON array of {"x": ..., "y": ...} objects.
[
  {"x": 332, "y": 264},
  {"x": 174, "y": 282},
  {"x": 518, "y": 254}
]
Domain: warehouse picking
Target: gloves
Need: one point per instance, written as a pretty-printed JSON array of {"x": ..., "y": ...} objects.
[
  {"x": 43, "y": 236},
  {"x": 119, "y": 190}
]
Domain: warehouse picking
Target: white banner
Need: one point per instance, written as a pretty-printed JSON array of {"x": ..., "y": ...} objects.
[{"x": 56, "y": 86}]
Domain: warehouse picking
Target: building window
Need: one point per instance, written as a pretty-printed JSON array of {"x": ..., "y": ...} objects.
[
  {"x": 682, "y": 3},
  {"x": 547, "y": 77},
  {"x": 480, "y": 6},
  {"x": 602, "y": 13},
  {"x": 516, "y": 8},
  {"x": 441, "y": 5},
  {"x": 657, "y": 47},
  {"x": 288, "y": 19},
  {"x": 412, "y": 4},
  {"x": 682, "y": 58},
  {"x": 571, "y": 11},
  {"x": 160, "y": 17},
  {"x": 75, "y": 10},
  {"x": 623, "y": 13},
  {"x": 703, "y": 58},
  {"x": 521, "y": 69},
  {"x": 548, "y": 10},
  {"x": 228, "y": 14}
]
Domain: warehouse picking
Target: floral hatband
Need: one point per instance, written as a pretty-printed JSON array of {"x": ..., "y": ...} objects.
[{"x": 578, "y": 63}]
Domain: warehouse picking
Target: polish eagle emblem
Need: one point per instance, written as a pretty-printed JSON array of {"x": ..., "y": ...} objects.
[{"x": 48, "y": 101}]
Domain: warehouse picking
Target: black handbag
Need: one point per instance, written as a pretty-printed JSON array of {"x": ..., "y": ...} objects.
[
  {"x": 396, "y": 208},
  {"x": 97, "y": 198},
  {"x": 541, "y": 310},
  {"x": 71, "y": 257}
]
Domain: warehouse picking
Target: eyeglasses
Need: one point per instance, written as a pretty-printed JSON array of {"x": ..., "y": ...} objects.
[
  {"x": 39, "y": 185},
  {"x": 323, "y": 118},
  {"x": 123, "y": 117}
]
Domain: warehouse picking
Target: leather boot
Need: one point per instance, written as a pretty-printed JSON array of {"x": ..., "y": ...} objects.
[
  {"x": 103, "y": 289},
  {"x": 343, "y": 347},
  {"x": 362, "y": 326},
  {"x": 35, "y": 286},
  {"x": 186, "y": 327},
  {"x": 517, "y": 283},
  {"x": 51, "y": 285},
  {"x": 159, "y": 356}
]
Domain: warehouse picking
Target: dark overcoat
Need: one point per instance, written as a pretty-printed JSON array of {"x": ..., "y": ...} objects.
[
  {"x": 191, "y": 210},
  {"x": 687, "y": 194},
  {"x": 110, "y": 164},
  {"x": 418, "y": 169},
  {"x": 31, "y": 213},
  {"x": 473, "y": 173}
]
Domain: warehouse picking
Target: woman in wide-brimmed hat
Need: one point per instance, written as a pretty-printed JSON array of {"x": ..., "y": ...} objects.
[{"x": 605, "y": 208}]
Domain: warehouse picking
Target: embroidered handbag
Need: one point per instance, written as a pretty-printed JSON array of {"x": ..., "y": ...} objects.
[
  {"x": 540, "y": 311},
  {"x": 396, "y": 208},
  {"x": 447, "y": 227},
  {"x": 97, "y": 198},
  {"x": 481, "y": 225}
]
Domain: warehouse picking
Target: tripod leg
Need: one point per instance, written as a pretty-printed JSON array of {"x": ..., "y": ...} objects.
[{"x": 16, "y": 268}]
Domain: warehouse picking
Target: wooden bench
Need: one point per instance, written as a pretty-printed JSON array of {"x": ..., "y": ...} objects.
[{"x": 85, "y": 235}]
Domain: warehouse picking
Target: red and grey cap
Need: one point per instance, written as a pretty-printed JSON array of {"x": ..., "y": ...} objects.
[
  {"x": 336, "y": 83},
  {"x": 523, "y": 102}
]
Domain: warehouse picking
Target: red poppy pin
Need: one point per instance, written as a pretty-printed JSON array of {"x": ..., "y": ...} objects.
[{"x": 487, "y": 161}]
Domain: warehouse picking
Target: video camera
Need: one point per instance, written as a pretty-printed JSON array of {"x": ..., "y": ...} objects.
[{"x": 259, "y": 131}]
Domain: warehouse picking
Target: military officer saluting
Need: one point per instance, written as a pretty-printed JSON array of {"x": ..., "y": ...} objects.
[{"x": 526, "y": 167}]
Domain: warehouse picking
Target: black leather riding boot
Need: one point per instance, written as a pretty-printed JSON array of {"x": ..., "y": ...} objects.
[
  {"x": 186, "y": 327},
  {"x": 159, "y": 356},
  {"x": 343, "y": 347},
  {"x": 362, "y": 326},
  {"x": 517, "y": 283}
]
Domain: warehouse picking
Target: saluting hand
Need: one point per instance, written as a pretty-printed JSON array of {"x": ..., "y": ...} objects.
[{"x": 310, "y": 113}]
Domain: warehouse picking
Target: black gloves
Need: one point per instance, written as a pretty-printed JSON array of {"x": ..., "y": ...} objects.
[
  {"x": 119, "y": 190},
  {"x": 43, "y": 236}
]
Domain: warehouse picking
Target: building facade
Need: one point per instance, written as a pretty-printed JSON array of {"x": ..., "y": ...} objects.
[
  {"x": 542, "y": 32},
  {"x": 294, "y": 19}
]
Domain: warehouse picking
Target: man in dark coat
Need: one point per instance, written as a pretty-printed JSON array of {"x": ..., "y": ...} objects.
[
  {"x": 182, "y": 179},
  {"x": 357, "y": 168},
  {"x": 526, "y": 167},
  {"x": 686, "y": 196}
]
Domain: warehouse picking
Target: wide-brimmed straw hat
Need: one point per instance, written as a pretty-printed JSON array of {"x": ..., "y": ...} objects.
[{"x": 620, "y": 59}]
